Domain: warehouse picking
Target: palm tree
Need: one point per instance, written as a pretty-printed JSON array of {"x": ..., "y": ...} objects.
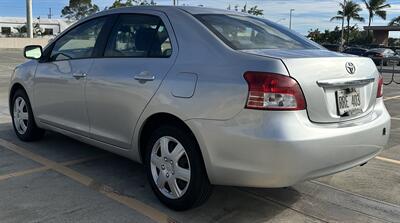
[
  {"x": 395, "y": 22},
  {"x": 376, "y": 7},
  {"x": 349, "y": 11}
]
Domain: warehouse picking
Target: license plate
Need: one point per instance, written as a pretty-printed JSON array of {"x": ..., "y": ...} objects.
[{"x": 348, "y": 102}]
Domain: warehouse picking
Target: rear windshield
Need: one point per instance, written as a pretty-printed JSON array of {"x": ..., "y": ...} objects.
[{"x": 245, "y": 33}]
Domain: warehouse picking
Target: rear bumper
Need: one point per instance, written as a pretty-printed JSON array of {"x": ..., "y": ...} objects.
[{"x": 278, "y": 149}]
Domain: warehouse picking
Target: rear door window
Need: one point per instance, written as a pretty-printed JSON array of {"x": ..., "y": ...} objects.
[
  {"x": 246, "y": 32},
  {"x": 136, "y": 35}
]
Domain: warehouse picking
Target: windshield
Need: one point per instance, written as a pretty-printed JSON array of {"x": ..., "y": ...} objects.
[{"x": 245, "y": 33}]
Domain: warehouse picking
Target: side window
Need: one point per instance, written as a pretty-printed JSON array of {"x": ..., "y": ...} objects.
[
  {"x": 139, "y": 36},
  {"x": 79, "y": 42}
]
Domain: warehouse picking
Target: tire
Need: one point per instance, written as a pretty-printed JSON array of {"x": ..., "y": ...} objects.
[
  {"x": 195, "y": 190},
  {"x": 22, "y": 117}
]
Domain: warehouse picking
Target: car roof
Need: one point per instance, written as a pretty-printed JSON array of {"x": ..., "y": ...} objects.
[
  {"x": 194, "y": 10},
  {"x": 204, "y": 10}
]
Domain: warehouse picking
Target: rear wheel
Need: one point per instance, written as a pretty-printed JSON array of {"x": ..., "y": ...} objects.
[
  {"x": 22, "y": 116},
  {"x": 175, "y": 169}
]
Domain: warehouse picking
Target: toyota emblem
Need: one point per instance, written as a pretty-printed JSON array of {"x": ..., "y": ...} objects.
[{"x": 350, "y": 68}]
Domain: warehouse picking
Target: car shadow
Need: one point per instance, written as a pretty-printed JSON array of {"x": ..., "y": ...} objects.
[{"x": 127, "y": 178}]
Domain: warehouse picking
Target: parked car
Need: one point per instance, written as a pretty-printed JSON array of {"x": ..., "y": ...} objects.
[
  {"x": 203, "y": 97},
  {"x": 355, "y": 51},
  {"x": 380, "y": 55},
  {"x": 332, "y": 47}
]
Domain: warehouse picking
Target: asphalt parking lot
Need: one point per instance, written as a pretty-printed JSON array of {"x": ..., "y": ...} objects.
[{"x": 62, "y": 180}]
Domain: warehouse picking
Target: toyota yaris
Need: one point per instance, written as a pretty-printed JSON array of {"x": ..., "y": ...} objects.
[{"x": 203, "y": 97}]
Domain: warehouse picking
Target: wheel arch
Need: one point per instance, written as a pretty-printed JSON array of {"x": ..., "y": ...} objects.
[
  {"x": 160, "y": 119},
  {"x": 16, "y": 86}
]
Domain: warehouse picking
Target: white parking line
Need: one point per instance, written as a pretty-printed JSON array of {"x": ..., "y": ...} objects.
[
  {"x": 391, "y": 98},
  {"x": 394, "y": 118},
  {"x": 388, "y": 160}
]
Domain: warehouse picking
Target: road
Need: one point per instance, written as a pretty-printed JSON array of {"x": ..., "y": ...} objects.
[{"x": 59, "y": 179}]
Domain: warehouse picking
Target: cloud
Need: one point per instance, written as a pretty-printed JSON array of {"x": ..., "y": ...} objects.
[{"x": 308, "y": 14}]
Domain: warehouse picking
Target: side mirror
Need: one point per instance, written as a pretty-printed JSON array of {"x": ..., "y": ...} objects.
[{"x": 33, "y": 52}]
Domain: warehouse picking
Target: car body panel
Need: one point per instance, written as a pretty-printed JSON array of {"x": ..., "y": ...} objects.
[
  {"x": 331, "y": 66},
  {"x": 257, "y": 149},
  {"x": 115, "y": 99},
  {"x": 295, "y": 54},
  {"x": 59, "y": 97}
]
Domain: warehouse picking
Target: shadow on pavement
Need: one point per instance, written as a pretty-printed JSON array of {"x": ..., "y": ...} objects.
[{"x": 127, "y": 178}]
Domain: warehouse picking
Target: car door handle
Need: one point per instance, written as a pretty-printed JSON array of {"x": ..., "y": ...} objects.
[
  {"x": 144, "y": 76},
  {"x": 79, "y": 75}
]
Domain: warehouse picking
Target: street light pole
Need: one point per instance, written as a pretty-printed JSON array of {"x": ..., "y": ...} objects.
[
  {"x": 29, "y": 25},
  {"x": 290, "y": 21},
  {"x": 174, "y": 2}
]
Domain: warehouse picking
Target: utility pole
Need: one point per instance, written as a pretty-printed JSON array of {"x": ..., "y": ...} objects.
[
  {"x": 342, "y": 35},
  {"x": 290, "y": 21},
  {"x": 50, "y": 14},
  {"x": 29, "y": 25},
  {"x": 174, "y": 2}
]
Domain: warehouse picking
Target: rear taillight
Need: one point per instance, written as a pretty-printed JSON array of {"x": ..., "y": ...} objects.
[
  {"x": 380, "y": 87},
  {"x": 268, "y": 91}
]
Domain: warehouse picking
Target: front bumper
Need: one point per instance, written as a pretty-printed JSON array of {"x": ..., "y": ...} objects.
[{"x": 279, "y": 149}]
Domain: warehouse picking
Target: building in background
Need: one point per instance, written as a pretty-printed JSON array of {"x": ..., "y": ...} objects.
[
  {"x": 16, "y": 26},
  {"x": 381, "y": 33}
]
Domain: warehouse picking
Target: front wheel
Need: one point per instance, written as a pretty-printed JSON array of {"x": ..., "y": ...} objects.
[
  {"x": 175, "y": 169},
  {"x": 22, "y": 117}
]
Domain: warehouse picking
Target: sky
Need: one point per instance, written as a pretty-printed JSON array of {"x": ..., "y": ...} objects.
[{"x": 308, "y": 14}]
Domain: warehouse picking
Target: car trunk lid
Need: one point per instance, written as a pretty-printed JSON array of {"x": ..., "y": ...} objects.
[{"x": 328, "y": 82}]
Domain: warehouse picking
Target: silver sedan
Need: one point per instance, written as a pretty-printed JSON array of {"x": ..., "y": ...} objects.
[{"x": 203, "y": 97}]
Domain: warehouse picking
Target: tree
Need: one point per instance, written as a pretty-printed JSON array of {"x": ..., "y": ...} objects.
[
  {"x": 129, "y": 3},
  {"x": 395, "y": 22},
  {"x": 22, "y": 30},
  {"x": 348, "y": 12},
  {"x": 145, "y": 2},
  {"x": 252, "y": 11},
  {"x": 333, "y": 37},
  {"x": 37, "y": 30},
  {"x": 376, "y": 7},
  {"x": 78, "y": 9},
  {"x": 256, "y": 11},
  {"x": 119, "y": 4}
]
